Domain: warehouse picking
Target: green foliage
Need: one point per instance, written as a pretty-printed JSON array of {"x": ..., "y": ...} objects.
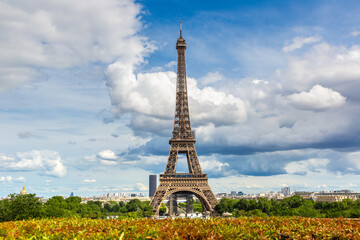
[
  {"x": 5, "y": 210},
  {"x": 197, "y": 206},
  {"x": 20, "y": 207},
  {"x": 226, "y": 205},
  {"x": 132, "y": 227},
  {"x": 133, "y": 205},
  {"x": 291, "y": 206},
  {"x": 162, "y": 210},
  {"x": 57, "y": 207}
]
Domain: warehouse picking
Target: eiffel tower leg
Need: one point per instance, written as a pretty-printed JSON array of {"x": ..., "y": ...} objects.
[
  {"x": 173, "y": 204},
  {"x": 159, "y": 197},
  {"x": 201, "y": 190},
  {"x": 189, "y": 203}
]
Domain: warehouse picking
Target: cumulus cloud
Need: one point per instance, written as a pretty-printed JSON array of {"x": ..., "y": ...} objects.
[
  {"x": 45, "y": 162},
  {"x": 9, "y": 179},
  {"x": 141, "y": 187},
  {"x": 91, "y": 158},
  {"x": 318, "y": 98},
  {"x": 20, "y": 179},
  {"x": 337, "y": 67},
  {"x": 6, "y": 179},
  {"x": 108, "y": 163},
  {"x": 211, "y": 77},
  {"x": 52, "y": 34},
  {"x": 107, "y": 155},
  {"x": 298, "y": 42},
  {"x": 150, "y": 98},
  {"x": 4, "y": 158},
  {"x": 355, "y": 33},
  {"x": 171, "y": 64},
  {"x": 89, "y": 181},
  {"x": 306, "y": 166},
  {"x": 215, "y": 167},
  {"x": 354, "y": 159}
]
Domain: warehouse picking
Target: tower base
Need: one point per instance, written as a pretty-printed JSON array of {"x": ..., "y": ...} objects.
[{"x": 196, "y": 184}]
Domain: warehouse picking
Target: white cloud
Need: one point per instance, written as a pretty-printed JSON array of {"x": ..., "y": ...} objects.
[
  {"x": 354, "y": 159},
  {"x": 6, "y": 179},
  {"x": 306, "y": 166},
  {"x": 318, "y": 98},
  {"x": 62, "y": 34},
  {"x": 20, "y": 179},
  {"x": 43, "y": 161},
  {"x": 5, "y": 158},
  {"x": 89, "y": 181},
  {"x": 108, "y": 163},
  {"x": 213, "y": 165},
  {"x": 171, "y": 64},
  {"x": 258, "y": 81},
  {"x": 141, "y": 187},
  {"x": 211, "y": 77},
  {"x": 355, "y": 33},
  {"x": 298, "y": 42},
  {"x": 337, "y": 67},
  {"x": 91, "y": 158},
  {"x": 107, "y": 154},
  {"x": 150, "y": 97}
]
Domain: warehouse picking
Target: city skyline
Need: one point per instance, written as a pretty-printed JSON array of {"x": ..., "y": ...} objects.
[{"x": 272, "y": 92}]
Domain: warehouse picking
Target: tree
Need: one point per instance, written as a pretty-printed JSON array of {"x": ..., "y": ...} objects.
[
  {"x": 198, "y": 207},
  {"x": 242, "y": 204},
  {"x": 133, "y": 205},
  {"x": 24, "y": 207},
  {"x": 5, "y": 210},
  {"x": 73, "y": 204},
  {"x": 57, "y": 207},
  {"x": 264, "y": 205},
  {"x": 162, "y": 210}
]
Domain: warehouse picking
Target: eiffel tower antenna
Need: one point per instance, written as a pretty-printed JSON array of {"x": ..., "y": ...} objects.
[
  {"x": 180, "y": 29},
  {"x": 183, "y": 142}
]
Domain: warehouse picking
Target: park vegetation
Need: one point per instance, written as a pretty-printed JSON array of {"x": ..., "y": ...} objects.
[
  {"x": 213, "y": 228},
  {"x": 22, "y": 207},
  {"x": 290, "y": 206}
]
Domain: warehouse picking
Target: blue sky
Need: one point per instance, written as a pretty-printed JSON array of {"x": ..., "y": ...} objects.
[{"x": 87, "y": 94}]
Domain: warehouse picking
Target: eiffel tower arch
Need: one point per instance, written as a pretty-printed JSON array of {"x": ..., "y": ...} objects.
[{"x": 183, "y": 142}]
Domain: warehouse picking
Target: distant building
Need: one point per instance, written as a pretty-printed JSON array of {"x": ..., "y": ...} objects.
[
  {"x": 221, "y": 195},
  {"x": 306, "y": 195},
  {"x": 133, "y": 195},
  {"x": 233, "y": 193},
  {"x": 286, "y": 191},
  {"x": 71, "y": 194},
  {"x": 240, "y": 193},
  {"x": 23, "y": 191},
  {"x": 336, "y": 196},
  {"x": 152, "y": 185},
  {"x": 343, "y": 191}
]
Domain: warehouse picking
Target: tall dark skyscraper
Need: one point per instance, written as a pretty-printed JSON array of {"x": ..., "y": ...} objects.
[{"x": 152, "y": 185}]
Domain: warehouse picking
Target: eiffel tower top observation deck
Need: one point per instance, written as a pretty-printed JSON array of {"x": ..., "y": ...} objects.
[{"x": 182, "y": 126}]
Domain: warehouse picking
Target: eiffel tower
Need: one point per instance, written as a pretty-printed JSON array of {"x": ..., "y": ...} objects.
[{"x": 183, "y": 142}]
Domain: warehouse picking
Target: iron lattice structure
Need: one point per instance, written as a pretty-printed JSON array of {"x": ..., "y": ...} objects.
[{"x": 183, "y": 142}]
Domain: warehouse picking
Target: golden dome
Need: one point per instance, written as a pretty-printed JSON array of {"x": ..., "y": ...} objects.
[{"x": 23, "y": 191}]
